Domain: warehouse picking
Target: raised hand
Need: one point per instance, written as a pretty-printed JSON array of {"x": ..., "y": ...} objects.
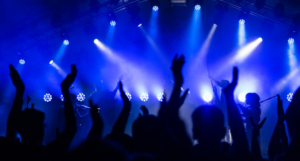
[
  {"x": 177, "y": 67},
  {"x": 125, "y": 99},
  {"x": 231, "y": 87},
  {"x": 280, "y": 111},
  {"x": 145, "y": 110},
  {"x": 257, "y": 127},
  {"x": 16, "y": 79},
  {"x": 96, "y": 130},
  {"x": 65, "y": 85}
]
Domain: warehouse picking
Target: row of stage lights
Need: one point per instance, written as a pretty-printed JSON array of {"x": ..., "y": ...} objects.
[
  {"x": 145, "y": 97},
  {"x": 81, "y": 97}
]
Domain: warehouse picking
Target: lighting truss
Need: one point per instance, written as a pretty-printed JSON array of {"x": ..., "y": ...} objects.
[
  {"x": 50, "y": 32},
  {"x": 267, "y": 12}
]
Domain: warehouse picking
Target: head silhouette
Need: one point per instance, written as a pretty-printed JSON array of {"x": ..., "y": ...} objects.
[
  {"x": 224, "y": 83},
  {"x": 208, "y": 125},
  {"x": 252, "y": 99},
  {"x": 31, "y": 126},
  {"x": 146, "y": 133}
]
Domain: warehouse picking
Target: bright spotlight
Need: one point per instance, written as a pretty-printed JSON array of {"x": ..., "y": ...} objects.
[
  {"x": 140, "y": 25},
  {"x": 197, "y": 7},
  {"x": 96, "y": 41},
  {"x": 51, "y": 62},
  {"x": 207, "y": 97},
  {"x": 260, "y": 39},
  {"x": 128, "y": 96},
  {"x": 47, "y": 97},
  {"x": 66, "y": 42},
  {"x": 160, "y": 97},
  {"x": 62, "y": 98},
  {"x": 290, "y": 97},
  {"x": 80, "y": 97},
  {"x": 291, "y": 40},
  {"x": 242, "y": 97},
  {"x": 113, "y": 23},
  {"x": 144, "y": 97},
  {"x": 242, "y": 21},
  {"x": 21, "y": 61},
  {"x": 155, "y": 8}
]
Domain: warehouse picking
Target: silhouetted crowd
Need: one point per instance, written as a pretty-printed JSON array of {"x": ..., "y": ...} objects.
[{"x": 161, "y": 137}]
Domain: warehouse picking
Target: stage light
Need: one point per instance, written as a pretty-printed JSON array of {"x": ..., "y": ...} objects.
[
  {"x": 140, "y": 25},
  {"x": 51, "y": 62},
  {"x": 22, "y": 61},
  {"x": 113, "y": 23},
  {"x": 242, "y": 21},
  {"x": 207, "y": 97},
  {"x": 244, "y": 15},
  {"x": 290, "y": 97},
  {"x": 160, "y": 97},
  {"x": 155, "y": 8},
  {"x": 96, "y": 41},
  {"x": 245, "y": 51},
  {"x": 128, "y": 96},
  {"x": 144, "y": 97},
  {"x": 112, "y": 19},
  {"x": 80, "y": 97},
  {"x": 197, "y": 7},
  {"x": 66, "y": 42},
  {"x": 242, "y": 97},
  {"x": 47, "y": 97},
  {"x": 260, "y": 39},
  {"x": 62, "y": 98},
  {"x": 291, "y": 40}
]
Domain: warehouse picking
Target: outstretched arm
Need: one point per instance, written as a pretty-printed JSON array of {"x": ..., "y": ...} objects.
[
  {"x": 17, "y": 105},
  {"x": 96, "y": 130},
  {"x": 66, "y": 137},
  {"x": 240, "y": 143},
  {"x": 120, "y": 124},
  {"x": 275, "y": 144},
  {"x": 255, "y": 149}
]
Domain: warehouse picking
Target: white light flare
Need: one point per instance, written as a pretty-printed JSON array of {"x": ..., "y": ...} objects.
[
  {"x": 247, "y": 50},
  {"x": 242, "y": 34},
  {"x": 292, "y": 56}
]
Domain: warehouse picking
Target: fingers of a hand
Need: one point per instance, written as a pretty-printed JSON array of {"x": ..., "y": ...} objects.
[
  {"x": 73, "y": 68},
  {"x": 184, "y": 95},
  {"x": 262, "y": 122}
]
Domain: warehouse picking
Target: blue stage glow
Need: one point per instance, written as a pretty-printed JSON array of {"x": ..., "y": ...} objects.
[
  {"x": 207, "y": 97},
  {"x": 22, "y": 61},
  {"x": 244, "y": 52},
  {"x": 291, "y": 40},
  {"x": 66, "y": 42},
  {"x": 290, "y": 97},
  {"x": 80, "y": 97},
  {"x": 144, "y": 97},
  {"x": 140, "y": 25},
  {"x": 128, "y": 96},
  {"x": 47, "y": 97},
  {"x": 242, "y": 97},
  {"x": 197, "y": 7},
  {"x": 242, "y": 21},
  {"x": 113, "y": 23},
  {"x": 51, "y": 62},
  {"x": 155, "y": 8},
  {"x": 160, "y": 97}
]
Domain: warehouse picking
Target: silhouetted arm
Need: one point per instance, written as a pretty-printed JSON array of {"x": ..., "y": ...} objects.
[
  {"x": 255, "y": 149},
  {"x": 64, "y": 140},
  {"x": 11, "y": 132},
  {"x": 215, "y": 81},
  {"x": 95, "y": 133},
  {"x": 240, "y": 143},
  {"x": 275, "y": 144},
  {"x": 120, "y": 124}
]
